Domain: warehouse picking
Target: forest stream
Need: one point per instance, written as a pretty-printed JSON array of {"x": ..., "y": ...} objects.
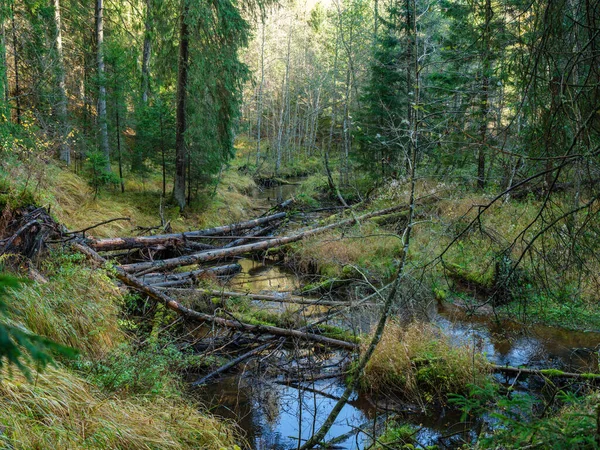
[{"x": 273, "y": 412}]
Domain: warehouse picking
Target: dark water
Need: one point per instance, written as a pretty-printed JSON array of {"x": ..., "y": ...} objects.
[
  {"x": 275, "y": 414},
  {"x": 277, "y": 194}
]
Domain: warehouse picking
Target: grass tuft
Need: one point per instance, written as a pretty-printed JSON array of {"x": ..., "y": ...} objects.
[{"x": 420, "y": 363}]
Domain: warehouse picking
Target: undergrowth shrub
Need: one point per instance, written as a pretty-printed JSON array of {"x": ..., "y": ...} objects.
[
  {"x": 522, "y": 420},
  {"x": 150, "y": 371}
]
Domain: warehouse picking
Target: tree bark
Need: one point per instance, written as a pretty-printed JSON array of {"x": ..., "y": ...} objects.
[
  {"x": 178, "y": 279},
  {"x": 16, "y": 62},
  {"x": 177, "y": 238},
  {"x": 259, "y": 106},
  {"x": 65, "y": 149},
  {"x": 182, "y": 78},
  {"x": 4, "y": 111},
  {"x": 102, "y": 119},
  {"x": 147, "y": 50},
  {"x": 118, "y": 125},
  {"x": 484, "y": 111},
  {"x": 265, "y": 297}
]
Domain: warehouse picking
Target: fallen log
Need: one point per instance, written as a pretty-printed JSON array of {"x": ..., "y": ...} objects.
[
  {"x": 212, "y": 255},
  {"x": 176, "y": 238},
  {"x": 190, "y": 314},
  {"x": 244, "y": 239},
  {"x": 233, "y": 363},
  {"x": 177, "y": 279},
  {"x": 546, "y": 373},
  {"x": 266, "y": 297}
]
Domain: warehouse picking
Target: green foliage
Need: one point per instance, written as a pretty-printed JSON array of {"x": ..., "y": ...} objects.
[
  {"x": 97, "y": 173},
  {"x": 151, "y": 370},
  {"x": 18, "y": 346},
  {"x": 520, "y": 420},
  {"x": 396, "y": 436},
  {"x": 387, "y": 99}
]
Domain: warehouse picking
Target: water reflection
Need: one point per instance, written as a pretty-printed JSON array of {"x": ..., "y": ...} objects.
[
  {"x": 516, "y": 344},
  {"x": 264, "y": 275},
  {"x": 274, "y": 415}
]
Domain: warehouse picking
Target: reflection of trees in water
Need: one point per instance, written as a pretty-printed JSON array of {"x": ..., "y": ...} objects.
[{"x": 268, "y": 398}]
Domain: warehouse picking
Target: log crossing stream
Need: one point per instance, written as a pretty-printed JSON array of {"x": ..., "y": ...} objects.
[{"x": 274, "y": 413}]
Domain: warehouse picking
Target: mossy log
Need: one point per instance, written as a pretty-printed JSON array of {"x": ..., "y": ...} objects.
[
  {"x": 268, "y": 298},
  {"x": 546, "y": 373},
  {"x": 178, "y": 279}
]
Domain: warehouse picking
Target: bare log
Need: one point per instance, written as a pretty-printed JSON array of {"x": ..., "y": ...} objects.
[
  {"x": 212, "y": 255},
  {"x": 242, "y": 240},
  {"x": 266, "y": 297},
  {"x": 178, "y": 279},
  {"x": 176, "y": 238},
  {"x": 190, "y": 314},
  {"x": 233, "y": 363}
]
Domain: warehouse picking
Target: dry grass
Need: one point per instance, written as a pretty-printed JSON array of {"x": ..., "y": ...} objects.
[
  {"x": 78, "y": 308},
  {"x": 63, "y": 411},
  {"x": 419, "y": 362},
  {"x": 368, "y": 247},
  {"x": 72, "y": 201}
]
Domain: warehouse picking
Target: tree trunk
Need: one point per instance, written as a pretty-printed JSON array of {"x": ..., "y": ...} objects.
[
  {"x": 278, "y": 298},
  {"x": 65, "y": 149},
  {"x": 182, "y": 76},
  {"x": 284, "y": 102},
  {"x": 118, "y": 125},
  {"x": 260, "y": 93},
  {"x": 16, "y": 62},
  {"x": 162, "y": 155},
  {"x": 485, "y": 80},
  {"x": 102, "y": 119},
  {"x": 4, "y": 110},
  {"x": 147, "y": 52},
  {"x": 111, "y": 244},
  {"x": 178, "y": 279},
  {"x": 190, "y": 314}
]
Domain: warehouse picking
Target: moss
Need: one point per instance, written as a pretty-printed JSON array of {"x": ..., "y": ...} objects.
[{"x": 340, "y": 333}]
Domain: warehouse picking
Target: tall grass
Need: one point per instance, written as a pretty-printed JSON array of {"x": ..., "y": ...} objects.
[
  {"x": 63, "y": 411},
  {"x": 419, "y": 362},
  {"x": 78, "y": 307}
]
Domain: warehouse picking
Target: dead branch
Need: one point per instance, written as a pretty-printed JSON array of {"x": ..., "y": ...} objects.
[{"x": 176, "y": 238}]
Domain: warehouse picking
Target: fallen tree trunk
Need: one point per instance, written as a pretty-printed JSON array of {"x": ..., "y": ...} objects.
[
  {"x": 176, "y": 238},
  {"x": 212, "y": 255},
  {"x": 177, "y": 279},
  {"x": 546, "y": 373},
  {"x": 265, "y": 297},
  {"x": 233, "y": 363},
  {"x": 242, "y": 240},
  {"x": 190, "y": 314}
]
